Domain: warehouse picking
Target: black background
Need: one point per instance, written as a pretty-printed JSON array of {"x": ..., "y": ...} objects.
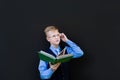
[{"x": 93, "y": 24}]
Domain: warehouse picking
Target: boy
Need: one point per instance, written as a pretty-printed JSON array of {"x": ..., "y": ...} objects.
[{"x": 58, "y": 70}]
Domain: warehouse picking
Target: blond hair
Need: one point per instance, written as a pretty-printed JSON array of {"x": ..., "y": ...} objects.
[{"x": 50, "y": 28}]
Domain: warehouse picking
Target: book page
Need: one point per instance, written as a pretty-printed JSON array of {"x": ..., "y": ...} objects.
[
  {"x": 64, "y": 58},
  {"x": 62, "y": 52}
]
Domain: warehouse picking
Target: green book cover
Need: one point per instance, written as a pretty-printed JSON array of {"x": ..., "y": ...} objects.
[{"x": 50, "y": 58}]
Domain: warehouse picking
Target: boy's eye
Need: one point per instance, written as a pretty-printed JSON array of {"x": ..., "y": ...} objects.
[{"x": 58, "y": 35}]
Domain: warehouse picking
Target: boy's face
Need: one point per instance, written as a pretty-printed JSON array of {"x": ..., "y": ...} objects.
[{"x": 53, "y": 37}]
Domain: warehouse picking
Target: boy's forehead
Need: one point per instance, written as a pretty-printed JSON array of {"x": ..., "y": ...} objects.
[{"x": 52, "y": 32}]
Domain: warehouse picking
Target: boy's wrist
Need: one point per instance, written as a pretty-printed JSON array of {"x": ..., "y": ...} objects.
[{"x": 52, "y": 69}]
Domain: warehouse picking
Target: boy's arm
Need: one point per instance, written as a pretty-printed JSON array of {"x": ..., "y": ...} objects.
[
  {"x": 73, "y": 48},
  {"x": 45, "y": 73}
]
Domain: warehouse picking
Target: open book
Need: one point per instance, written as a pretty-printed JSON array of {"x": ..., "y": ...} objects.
[{"x": 62, "y": 57}]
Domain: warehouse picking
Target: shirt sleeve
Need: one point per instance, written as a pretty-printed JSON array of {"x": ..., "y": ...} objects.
[
  {"x": 45, "y": 73},
  {"x": 74, "y": 49}
]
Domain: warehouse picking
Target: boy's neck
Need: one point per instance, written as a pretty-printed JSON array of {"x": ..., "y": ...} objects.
[{"x": 55, "y": 46}]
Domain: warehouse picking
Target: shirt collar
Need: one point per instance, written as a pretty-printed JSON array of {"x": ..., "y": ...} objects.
[{"x": 53, "y": 48}]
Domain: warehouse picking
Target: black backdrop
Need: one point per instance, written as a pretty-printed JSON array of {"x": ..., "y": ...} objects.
[{"x": 93, "y": 25}]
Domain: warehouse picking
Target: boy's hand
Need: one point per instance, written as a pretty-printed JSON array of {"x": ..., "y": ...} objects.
[
  {"x": 55, "y": 66},
  {"x": 63, "y": 37}
]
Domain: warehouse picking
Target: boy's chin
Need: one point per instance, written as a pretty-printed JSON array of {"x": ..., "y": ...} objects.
[{"x": 57, "y": 43}]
